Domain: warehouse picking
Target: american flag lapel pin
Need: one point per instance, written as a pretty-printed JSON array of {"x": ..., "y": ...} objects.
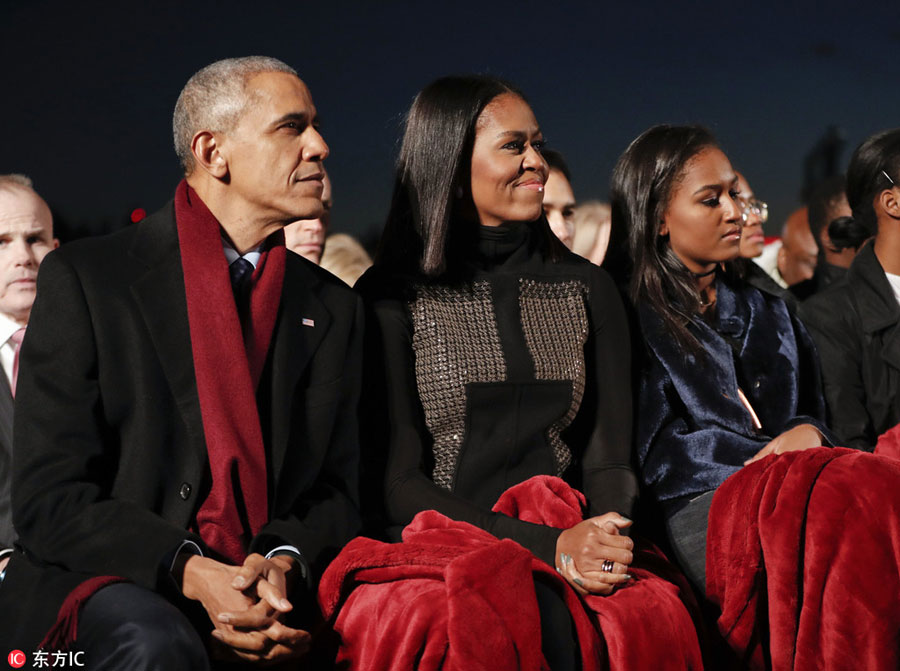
[{"x": 308, "y": 322}]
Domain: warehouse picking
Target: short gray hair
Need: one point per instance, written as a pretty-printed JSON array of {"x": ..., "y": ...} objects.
[
  {"x": 14, "y": 183},
  {"x": 214, "y": 99},
  {"x": 15, "y": 179}
]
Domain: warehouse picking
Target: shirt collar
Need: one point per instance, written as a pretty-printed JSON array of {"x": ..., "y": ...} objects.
[
  {"x": 7, "y": 328},
  {"x": 232, "y": 255}
]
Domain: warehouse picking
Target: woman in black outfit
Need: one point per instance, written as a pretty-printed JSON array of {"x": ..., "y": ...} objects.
[{"x": 505, "y": 355}]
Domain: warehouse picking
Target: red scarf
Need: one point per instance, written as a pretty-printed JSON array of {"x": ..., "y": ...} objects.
[{"x": 228, "y": 365}]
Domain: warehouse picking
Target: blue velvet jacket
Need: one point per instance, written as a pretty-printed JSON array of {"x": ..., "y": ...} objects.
[{"x": 693, "y": 431}]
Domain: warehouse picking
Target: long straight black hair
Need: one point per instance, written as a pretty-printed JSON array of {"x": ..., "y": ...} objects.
[
  {"x": 432, "y": 176},
  {"x": 643, "y": 181}
]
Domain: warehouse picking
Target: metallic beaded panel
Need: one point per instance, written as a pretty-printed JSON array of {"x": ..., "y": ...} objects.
[
  {"x": 456, "y": 342},
  {"x": 555, "y": 323}
]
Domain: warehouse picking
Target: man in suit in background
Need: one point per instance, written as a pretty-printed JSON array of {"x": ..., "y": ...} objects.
[
  {"x": 307, "y": 236},
  {"x": 26, "y": 235},
  {"x": 187, "y": 408}
]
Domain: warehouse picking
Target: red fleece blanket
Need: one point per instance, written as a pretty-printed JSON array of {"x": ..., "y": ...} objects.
[
  {"x": 889, "y": 443},
  {"x": 452, "y": 596},
  {"x": 803, "y": 558}
]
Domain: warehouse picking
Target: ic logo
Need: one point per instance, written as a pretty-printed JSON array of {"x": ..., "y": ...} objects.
[{"x": 16, "y": 659}]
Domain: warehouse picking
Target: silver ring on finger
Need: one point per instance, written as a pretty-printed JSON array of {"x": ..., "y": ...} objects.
[{"x": 607, "y": 566}]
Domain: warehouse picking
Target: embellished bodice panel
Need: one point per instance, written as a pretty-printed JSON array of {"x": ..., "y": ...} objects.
[{"x": 500, "y": 367}]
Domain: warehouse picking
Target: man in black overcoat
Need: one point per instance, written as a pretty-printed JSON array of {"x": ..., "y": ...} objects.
[{"x": 186, "y": 447}]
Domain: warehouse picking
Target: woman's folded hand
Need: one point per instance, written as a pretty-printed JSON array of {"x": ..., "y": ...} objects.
[{"x": 593, "y": 556}]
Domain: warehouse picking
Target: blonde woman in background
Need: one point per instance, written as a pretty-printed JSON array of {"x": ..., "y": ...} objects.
[
  {"x": 345, "y": 257},
  {"x": 592, "y": 227}
]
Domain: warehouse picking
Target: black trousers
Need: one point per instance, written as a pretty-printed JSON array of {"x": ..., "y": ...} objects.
[
  {"x": 129, "y": 628},
  {"x": 687, "y": 535}
]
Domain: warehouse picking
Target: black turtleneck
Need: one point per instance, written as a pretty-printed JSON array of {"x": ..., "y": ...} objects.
[{"x": 522, "y": 368}]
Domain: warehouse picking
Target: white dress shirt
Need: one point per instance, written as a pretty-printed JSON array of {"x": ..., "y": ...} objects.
[
  {"x": 768, "y": 261},
  {"x": 894, "y": 281},
  {"x": 232, "y": 255}
]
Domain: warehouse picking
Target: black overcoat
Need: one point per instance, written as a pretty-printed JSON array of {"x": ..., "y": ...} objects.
[
  {"x": 110, "y": 463},
  {"x": 7, "y": 535},
  {"x": 856, "y": 326}
]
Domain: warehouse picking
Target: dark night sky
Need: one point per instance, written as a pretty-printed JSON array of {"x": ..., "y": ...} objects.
[{"x": 88, "y": 88}]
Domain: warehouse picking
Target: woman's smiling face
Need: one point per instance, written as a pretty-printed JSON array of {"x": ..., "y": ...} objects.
[{"x": 507, "y": 170}]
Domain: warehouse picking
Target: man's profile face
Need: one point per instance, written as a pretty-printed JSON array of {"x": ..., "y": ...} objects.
[
  {"x": 275, "y": 152},
  {"x": 799, "y": 254},
  {"x": 307, "y": 236},
  {"x": 26, "y": 235}
]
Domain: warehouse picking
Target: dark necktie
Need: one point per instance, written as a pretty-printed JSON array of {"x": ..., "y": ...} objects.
[{"x": 240, "y": 270}]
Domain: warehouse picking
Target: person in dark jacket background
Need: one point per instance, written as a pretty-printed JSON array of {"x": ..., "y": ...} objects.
[{"x": 856, "y": 322}]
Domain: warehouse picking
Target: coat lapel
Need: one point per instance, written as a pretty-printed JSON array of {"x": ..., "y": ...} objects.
[
  {"x": 7, "y": 532},
  {"x": 714, "y": 401},
  {"x": 159, "y": 294},
  {"x": 303, "y": 322},
  {"x": 890, "y": 350},
  {"x": 878, "y": 309},
  {"x": 6, "y": 418}
]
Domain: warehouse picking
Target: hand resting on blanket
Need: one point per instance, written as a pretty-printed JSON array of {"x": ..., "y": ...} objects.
[
  {"x": 582, "y": 549},
  {"x": 799, "y": 438}
]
